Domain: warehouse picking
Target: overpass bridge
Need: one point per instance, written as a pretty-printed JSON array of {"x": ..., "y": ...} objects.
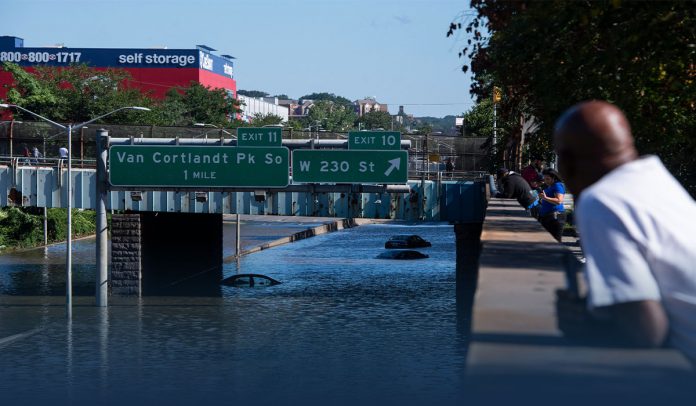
[
  {"x": 24, "y": 183},
  {"x": 156, "y": 228}
]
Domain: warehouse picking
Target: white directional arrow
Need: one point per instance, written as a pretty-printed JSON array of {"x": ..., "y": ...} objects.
[{"x": 395, "y": 164}]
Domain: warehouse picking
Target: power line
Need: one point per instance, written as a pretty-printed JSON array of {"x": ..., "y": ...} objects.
[{"x": 431, "y": 104}]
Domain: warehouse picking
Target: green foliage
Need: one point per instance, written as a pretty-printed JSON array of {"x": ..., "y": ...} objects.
[
  {"x": 80, "y": 93},
  {"x": 295, "y": 124},
  {"x": 376, "y": 119},
  {"x": 547, "y": 56},
  {"x": 331, "y": 116},
  {"x": 23, "y": 227},
  {"x": 438, "y": 125},
  {"x": 83, "y": 223},
  {"x": 77, "y": 94},
  {"x": 424, "y": 128},
  {"x": 205, "y": 105},
  {"x": 282, "y": 96},
  {"x": 260, "y": 119},
  {"x": 478, "y": 122},
  {"x": 196, "y": 104},
  {"x": 339, "y": 100},
  {"x": 20, "y": 228}
]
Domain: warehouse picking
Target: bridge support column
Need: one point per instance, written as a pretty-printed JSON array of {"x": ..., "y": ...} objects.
[{"x": 126, "y": 249}]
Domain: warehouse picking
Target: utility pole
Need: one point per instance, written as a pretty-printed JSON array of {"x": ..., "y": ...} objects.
[
  {"x": 495, "y": 128},
  {"x": 497, "y": 96}
]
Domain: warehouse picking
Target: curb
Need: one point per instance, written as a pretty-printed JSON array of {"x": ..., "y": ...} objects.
[{"x": 310, "y": 232}]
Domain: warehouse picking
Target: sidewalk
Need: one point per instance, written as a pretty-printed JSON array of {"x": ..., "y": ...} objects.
[{"x": 517, "y": 356}]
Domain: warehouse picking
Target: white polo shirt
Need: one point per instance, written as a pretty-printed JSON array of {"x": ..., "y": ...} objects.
[{"x": 638, "y": 233}]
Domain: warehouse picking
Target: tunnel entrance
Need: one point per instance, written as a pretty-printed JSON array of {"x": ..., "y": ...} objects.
[{"x": 181, "y": 254}]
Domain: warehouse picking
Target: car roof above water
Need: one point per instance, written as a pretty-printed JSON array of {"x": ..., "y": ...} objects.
[{"x": 402, "y": 236}]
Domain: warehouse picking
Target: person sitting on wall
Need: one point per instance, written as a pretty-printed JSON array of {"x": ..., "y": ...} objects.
[
  {"x": 552, "y": 213},
  {"x": 513, "y": 186}
]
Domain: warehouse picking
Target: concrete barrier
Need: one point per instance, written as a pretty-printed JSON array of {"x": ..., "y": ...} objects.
[{"x": 517, "y": 355}]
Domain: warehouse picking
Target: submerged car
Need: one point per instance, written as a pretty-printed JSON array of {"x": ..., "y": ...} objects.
[
  {"x": 249, "y": 280},
  {"x": 402, "y": 254},
  {"x": 406, "y": 241}
]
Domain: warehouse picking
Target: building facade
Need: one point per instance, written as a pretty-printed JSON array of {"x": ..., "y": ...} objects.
[
  {"x": 367, "y": 105},
  {"x": 252, "y": 106},
  {"x": 153, "y": 71}
]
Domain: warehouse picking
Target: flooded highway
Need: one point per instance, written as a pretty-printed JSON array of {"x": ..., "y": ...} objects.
[{"x": 342, "y": 328}]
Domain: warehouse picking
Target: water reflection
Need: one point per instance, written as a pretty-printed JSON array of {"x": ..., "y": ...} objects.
[{"x": 342, "y": 328}]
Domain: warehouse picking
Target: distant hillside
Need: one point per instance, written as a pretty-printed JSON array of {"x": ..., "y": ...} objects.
[{"x": 444, "y": 125}]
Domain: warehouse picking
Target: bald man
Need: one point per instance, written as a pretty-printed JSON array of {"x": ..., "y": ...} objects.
[{"x": 638, "y": 228}]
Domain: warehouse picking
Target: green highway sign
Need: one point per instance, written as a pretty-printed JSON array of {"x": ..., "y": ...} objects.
[
  {"x": 346, "y": 166},
  {"x": 259, "y": 137},
  {"x": 198, "y": 166},
  {"x": 374, "y": 140}
]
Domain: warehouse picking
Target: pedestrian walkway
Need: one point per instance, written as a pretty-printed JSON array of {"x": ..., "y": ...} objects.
[{"x": 518, "y": 356}]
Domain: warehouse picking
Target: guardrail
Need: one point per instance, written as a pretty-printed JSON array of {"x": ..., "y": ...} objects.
[
  {"x": 448, "y": 175},
  {"x": 15, "y": 161}
]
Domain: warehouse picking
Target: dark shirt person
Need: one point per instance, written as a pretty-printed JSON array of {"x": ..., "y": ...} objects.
[
  {"x": 532, "y": 173},
  {"x": 513, "y": 186},
  {"x": 449, "y": 167},
  {"x": 638, "y": 241}
]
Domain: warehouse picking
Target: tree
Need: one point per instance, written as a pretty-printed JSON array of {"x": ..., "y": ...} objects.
[
  {"x": 331, "y": 116},
  {"x": 296, "y": 124},
  {"x": 282, "y": 96},
  {"x": 376, "y": 119},
  {"x": 74, "y": 95},
  {"x": 206, "y": 105},
  {"x": 425, "y": 129},
  {"x": 339, "y": 100},
  {"x": 80, "y": 93},
  {"x": 252, "y": 93},
  {"x": 261, "y": 119},
  {"x": 547, "y": 56},
  {"x": 478, "y": 122}
]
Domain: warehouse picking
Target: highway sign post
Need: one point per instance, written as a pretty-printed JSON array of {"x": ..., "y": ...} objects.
[
  {"x": 374, "y": 140},
  {"x": 346, "y": 166},
  {"x": 198, "y": 166}
]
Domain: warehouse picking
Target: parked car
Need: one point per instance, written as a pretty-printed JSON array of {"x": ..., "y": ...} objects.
[
  {"x": 402, "y": 254},
  {"x": 406, "y": 241}
]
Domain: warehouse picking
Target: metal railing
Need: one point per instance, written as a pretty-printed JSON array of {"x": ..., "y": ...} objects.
[
  {"x": 440, "y": 175},
  {"x": 22, "y": 161}
]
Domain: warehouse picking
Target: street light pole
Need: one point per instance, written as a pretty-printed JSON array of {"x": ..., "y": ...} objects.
[
  {"x": 68, "y": 243},
  {"x": 222, "y": 130}
]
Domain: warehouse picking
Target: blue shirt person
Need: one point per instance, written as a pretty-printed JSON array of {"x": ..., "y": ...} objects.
[
  {"x": 552, "y": 213},
  {"x": 556, "y": 189}
]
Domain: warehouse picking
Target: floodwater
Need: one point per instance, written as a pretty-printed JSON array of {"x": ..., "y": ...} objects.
[{"x": 343, "y": 328}]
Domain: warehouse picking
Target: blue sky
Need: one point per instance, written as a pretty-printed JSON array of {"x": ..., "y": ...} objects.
[{"x": 395, "y": 50}]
